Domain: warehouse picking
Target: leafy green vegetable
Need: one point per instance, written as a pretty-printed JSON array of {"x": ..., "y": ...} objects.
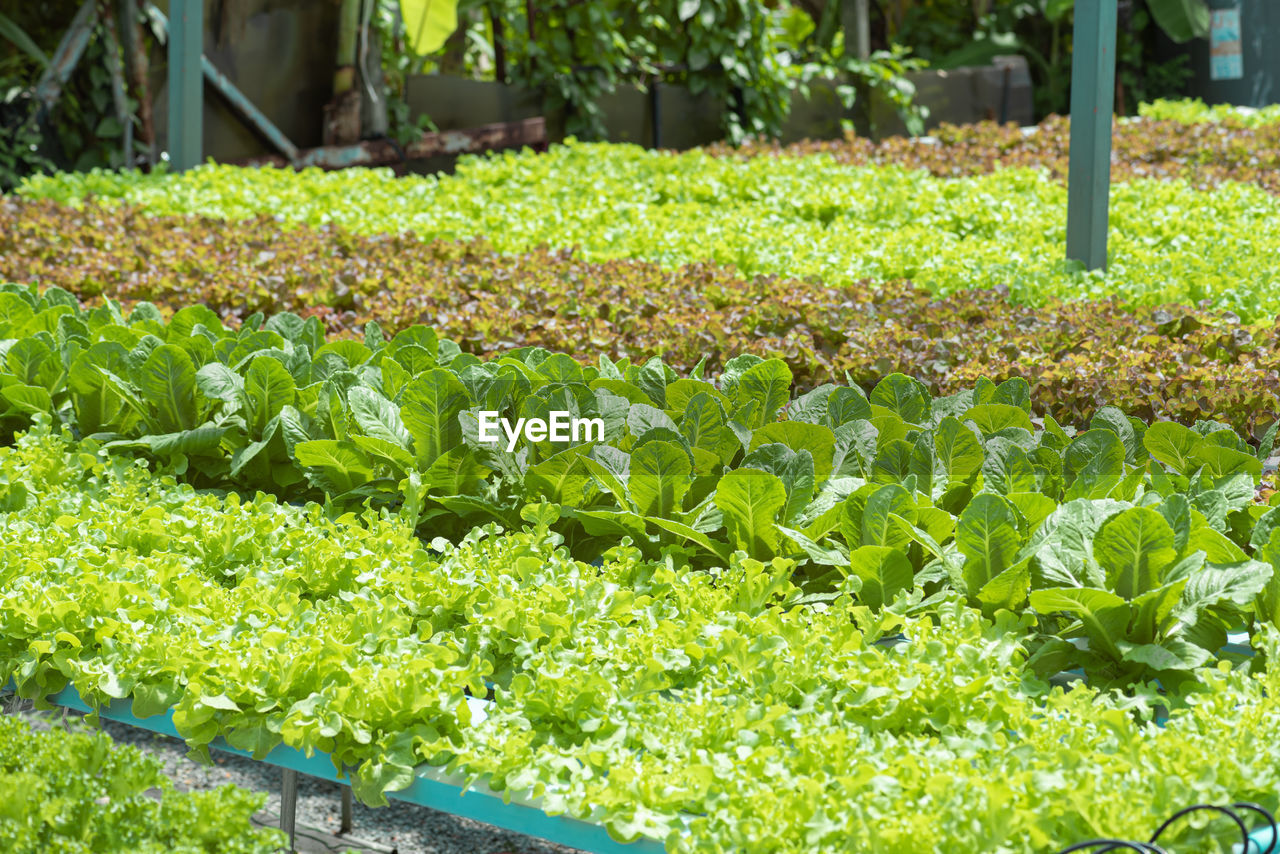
[
  {"x": 270, "y": 623},
  {"x": 877, "y": 496},
  {"x": 65, "y": 790},
  {"x": 798, "y": 216},
  {"x": 1162, "y": 362}
]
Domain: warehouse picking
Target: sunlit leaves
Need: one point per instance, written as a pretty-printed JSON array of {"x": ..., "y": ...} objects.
[
  {"x": 273, "y": 614},
  {"x": 1166, "y": 362},
  {"x": 68, "y": 790}
]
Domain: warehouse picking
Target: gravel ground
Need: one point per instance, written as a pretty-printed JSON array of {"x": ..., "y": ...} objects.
[{"x": 404, "y": 828}]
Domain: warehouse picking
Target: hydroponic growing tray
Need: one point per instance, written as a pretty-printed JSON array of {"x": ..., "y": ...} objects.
[
  {"x": 432, "y": 787},
  {"x": 438, "y": 790}
]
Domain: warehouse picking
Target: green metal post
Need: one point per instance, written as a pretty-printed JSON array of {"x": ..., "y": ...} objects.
[
  {"x": 186, "y": 89},
  {"x": 1093, "y": 88}
]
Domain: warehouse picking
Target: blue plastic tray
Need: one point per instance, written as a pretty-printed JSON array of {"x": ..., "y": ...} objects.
[
  {"x": 431, "y": 786},
  {"x": 447, "y": 792}
]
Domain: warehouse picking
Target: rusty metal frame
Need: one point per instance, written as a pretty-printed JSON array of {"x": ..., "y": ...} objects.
[{"x": 382, "y": 152}]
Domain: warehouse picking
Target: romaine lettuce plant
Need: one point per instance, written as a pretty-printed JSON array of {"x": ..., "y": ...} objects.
[{"x": 1138, "y": 543}]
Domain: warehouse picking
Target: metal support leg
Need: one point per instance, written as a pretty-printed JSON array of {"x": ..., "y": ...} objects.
[
  {"x": 855, "y": 22},
  {"x": 289, "y": 805},
  {"x": 655, "y": 111},
  {"x": 1093, "y": 91},
  {"x": 859, "y": 37},
  {"x": 346, "y": 811},
  {"x": 186, "y": 89}
]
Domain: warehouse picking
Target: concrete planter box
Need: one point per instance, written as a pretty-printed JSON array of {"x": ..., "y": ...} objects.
[
  {"x": 454, "y": 103},
  {"x": 964, "y": 95},
  {"x": 687, "y": 120}
]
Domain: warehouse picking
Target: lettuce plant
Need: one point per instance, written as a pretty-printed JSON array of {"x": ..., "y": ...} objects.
[
  {"x": 663, "y": 702},
  {"x": 794, "y": 216},
  {"x": 881, "y": 496},
  {"x": 71, "y": 791}
]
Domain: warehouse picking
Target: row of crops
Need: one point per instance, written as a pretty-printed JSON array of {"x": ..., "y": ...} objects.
[
  {"x": 792, "y": 216},
  {"x": 867, "y": 555}
]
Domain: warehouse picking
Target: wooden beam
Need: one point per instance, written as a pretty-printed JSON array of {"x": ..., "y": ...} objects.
[{"x": 382, "y": 152}]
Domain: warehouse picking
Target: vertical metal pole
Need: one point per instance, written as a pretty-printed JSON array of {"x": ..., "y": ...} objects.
[
  {"x": 289, "y": 805},
  {"x": 348, "y": 30},
  {"x": 655, "y": 110},
  {"x": 856, "y": 24},
  {"x": 186, "y": 92},
  {"x": 346, "y": 811},
  {"x": 855, "y": 20},
  {"x": 1093, "y": 88}
]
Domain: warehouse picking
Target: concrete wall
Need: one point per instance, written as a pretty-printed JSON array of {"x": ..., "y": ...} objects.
[
  {"x": 454, "y": 103},
  {"x": 965, "y": 95}
]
